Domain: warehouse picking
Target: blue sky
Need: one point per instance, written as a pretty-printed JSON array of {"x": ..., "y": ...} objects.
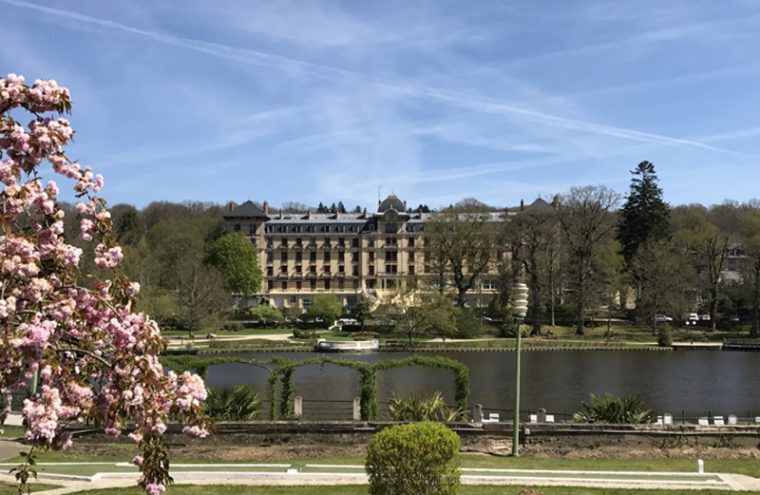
[{"x": 434, "y": 100}]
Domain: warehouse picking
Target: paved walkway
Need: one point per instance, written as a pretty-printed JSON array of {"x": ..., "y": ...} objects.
[{"x": 315, "y": 474}]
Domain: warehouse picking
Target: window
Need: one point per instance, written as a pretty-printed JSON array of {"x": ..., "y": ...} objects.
[
  {"x": 370, "y": 243},
  {"x": 488, "y": 284},
  {"x": 270, "y": 257},
  {"x": 355, "y": 242},
  {"x": 356, "y": 284},
  {"x": 293, "y": 299},
  {"x": 371, "y": 270},
  {"x": 284, "y": 242},
  {"x": 313, "y": 269},
  {"x": 411, "y": 257},
  {"x": 371, "y": 283},
  {"x": 284, "y": 257},
  {"x": 341, "y": 269},
  {"x": 341, "y": 256},
  {"x": 326, "y": 257},
  {"x": 391, "y": 269},
  {"x": 270, "y": 284},
  {"x": 391, "y": 228},
  {"x": 411, "y": 270},
  {"x": 327, "y": 285},
  {"x": 390, "y": 284},
  {"x": 391, "y": 256},
  {"x": 391, "y": 241},
  {"x": 312, "y": 286},
  {"x": 355, "y": 256},
  {"x": 355, "y": 270},
  {"x": 341, "y": 284},
  {"x": 270, "y": 271},
  {"x": 298, "y": 241},
  {"x": 299, "y": 257},
  {"x": 410, "y": 242},
  {"x": 341, "y": 242},
  {"x": 284, "y": 270},
  {"x": 371, "y": 256},
  {"x": 307, "y": 301},
  {"x": 298, "y": 269},
  {"x": 284, "y": 285},
  {"x": 252, "y": 229},
  {"x": 299, "y": 285},
  {"x": 326, "y": 268},
  {"x": 313, "y": 257},
  {"x": 312, "y": 241}
]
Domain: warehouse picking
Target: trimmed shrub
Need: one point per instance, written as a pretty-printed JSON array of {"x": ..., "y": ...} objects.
[
  {"x": 664, "y": 338},
  {"x": 414, "y": 459}
]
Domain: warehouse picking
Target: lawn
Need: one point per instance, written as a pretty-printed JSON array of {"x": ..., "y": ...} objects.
[
  {"x": 6, "y": 489},
  {"x": 686, "y": 465},
  {"x": 362, "y": 490}
]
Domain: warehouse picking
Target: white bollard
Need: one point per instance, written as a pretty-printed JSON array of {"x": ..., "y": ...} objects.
[{"x": 700, "y": 466}]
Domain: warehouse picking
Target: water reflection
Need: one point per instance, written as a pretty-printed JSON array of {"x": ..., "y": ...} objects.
[{"x": 694, "y": 382}]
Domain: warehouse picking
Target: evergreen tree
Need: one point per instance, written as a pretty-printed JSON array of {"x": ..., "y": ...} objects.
[
  {"x": 341, "y": 207},
  {"x": 645, "y": 215},
  {"x": 321, "y": 208}
]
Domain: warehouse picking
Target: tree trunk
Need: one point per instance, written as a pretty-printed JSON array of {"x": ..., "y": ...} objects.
[
  {"x": 753, "y": 331},
  {"x": 713, "y": 307}
]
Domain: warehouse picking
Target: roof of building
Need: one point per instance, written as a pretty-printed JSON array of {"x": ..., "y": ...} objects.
[
  {"x": 391, "y": 202},
  {"x": 538, "y": 206},
  {"x": 249, "y": 209}
]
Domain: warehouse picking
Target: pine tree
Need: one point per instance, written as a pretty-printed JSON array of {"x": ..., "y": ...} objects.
[{"x": 645, "y": 215}]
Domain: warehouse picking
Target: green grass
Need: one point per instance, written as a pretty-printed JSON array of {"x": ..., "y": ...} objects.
[
  {"x": 11, "y": 432},
  {"x": 362, "y": 490},
  {"x": 9, "y": 489},
  {"x": 686, "y": 465}
]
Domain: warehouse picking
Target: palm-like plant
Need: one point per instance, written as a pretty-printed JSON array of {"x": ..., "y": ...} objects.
[
  {"x": 239, "y": 403},
  {"x": 417, "y": 407},
  {"x": 614, "y": 410}
]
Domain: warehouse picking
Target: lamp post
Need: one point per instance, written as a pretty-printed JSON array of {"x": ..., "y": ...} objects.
[{"x": 519, "y": 301}]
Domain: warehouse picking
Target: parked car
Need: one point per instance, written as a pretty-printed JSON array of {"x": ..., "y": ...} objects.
[
  {"x": 662, "y": 318},
  {"x": 692, "y": 319}
]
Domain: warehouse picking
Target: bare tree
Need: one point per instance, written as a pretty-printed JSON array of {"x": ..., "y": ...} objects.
[
  {"x": 533, "y": 235},
  {"x": 461, "y": 244},
  {"x": 585, "y": 216}
]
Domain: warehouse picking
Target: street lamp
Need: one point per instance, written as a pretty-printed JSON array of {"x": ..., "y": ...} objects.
[{"x": 519, "y": 301}]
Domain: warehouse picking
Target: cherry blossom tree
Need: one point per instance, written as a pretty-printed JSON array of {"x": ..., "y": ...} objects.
[{"x": 96, "y": 358}]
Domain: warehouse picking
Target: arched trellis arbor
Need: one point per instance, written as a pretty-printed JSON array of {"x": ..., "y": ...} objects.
[{"x": 282, "y": 370}]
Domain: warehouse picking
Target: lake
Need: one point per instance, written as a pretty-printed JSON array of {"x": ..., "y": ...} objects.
[{"x": 692, "y": 383}]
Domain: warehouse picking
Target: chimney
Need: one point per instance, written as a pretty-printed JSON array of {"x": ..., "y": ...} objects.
[
  {"x": 266, "y": 208},
  {"x": 522, "y": 205},
  {"x": 308, "y": 213},
  {"x": 281, "y": 214},
  {"x": 364, "y": 213},
  {"x": 404, "y": 205},
  {"x": 230, "y": 206}
]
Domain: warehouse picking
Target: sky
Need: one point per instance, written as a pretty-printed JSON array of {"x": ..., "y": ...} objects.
[{"x": 433, "y": 100}]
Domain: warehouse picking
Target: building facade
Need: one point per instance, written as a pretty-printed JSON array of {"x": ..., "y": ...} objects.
[{"x": 378, "y": 255}]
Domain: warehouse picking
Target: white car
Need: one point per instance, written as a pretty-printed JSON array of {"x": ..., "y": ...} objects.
[
  {"x": 692, "y": 319},
  {"x": 662, "y": 318}
]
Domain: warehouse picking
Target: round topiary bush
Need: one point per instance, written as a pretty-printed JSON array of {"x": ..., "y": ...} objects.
[{"x": 414, "y": 459}]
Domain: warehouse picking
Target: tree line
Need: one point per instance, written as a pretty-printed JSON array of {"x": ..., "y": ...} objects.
[
  {"x": 593, "y": 254},
  {"x": 588, "y": 254}
]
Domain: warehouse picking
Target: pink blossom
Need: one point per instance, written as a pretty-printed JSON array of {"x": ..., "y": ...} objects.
[
  {"x": 155, "y": 488},
  {"x": 74, "y": 335}
]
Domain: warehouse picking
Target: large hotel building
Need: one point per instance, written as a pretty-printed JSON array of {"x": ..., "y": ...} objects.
[{"x": 351, "y": 255}]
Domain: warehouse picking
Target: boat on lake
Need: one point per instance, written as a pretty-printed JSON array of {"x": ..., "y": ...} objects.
[{"x": 323, "y": 345}]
